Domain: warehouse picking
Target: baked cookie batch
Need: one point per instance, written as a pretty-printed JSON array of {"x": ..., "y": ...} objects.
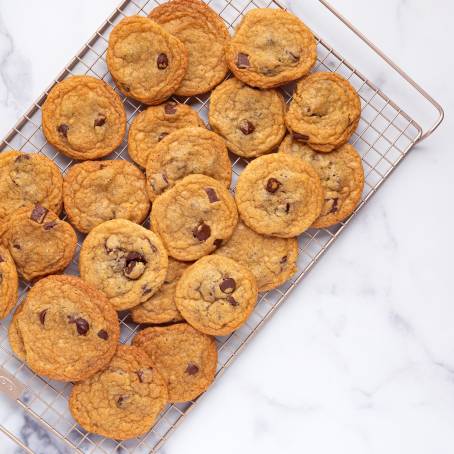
[{"x": 196, "y": 271}]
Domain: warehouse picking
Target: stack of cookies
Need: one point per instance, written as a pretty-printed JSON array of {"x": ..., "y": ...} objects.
[{"x": 196, "y": 272}]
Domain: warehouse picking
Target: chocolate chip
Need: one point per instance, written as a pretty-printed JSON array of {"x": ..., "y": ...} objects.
[
  {"x": 246, "y": 127},
  {"x": 218, "y": 242},
  {"x": 272, "y": 185},
  {"x": 192, "y": 369},
  {"x": 121, "y": 401},
  {"x": 63, "y": 130},
  {"x": 1, "y": 278},
  {"x": 146, "y": 290},
  {"x": 162, "y": 135},
  {"x": 22, "y": 157},
  {"x": 2, "y": 259},
  {"x": 38, "y": 213},
  {"x": 300, "y": 137},
  {"x": 228, "y": 285},
  {"x": 133, "y": 259},
  {"x": 293, "y": 56},
  {"x": 125, "y": 87},
  {"x": 242, "y": 61},
  {"x": 202, "y": 232},
  {"x": 283, "y": 260},
  {"x": 287, "y": 207},
  {"x": 50, "y": 225},
  {"x": 170, "y": 108},
  {"x": 100, "y": 121},
  {"x": 232, "y": 301},
  {"x": 16, "y": 246},
  {"x": 335, "y": 206},
  {"x": 42, "y": 316},
  {"x": 103, "y": 334},
  {"x": 212, "y": 196},
  {"x": 82, "y": 325},
  {"x": 162, "y": 61},
  {"x": 140, "y": 375}
]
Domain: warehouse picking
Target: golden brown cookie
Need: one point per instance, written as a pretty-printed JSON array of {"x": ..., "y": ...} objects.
[
  {"x": 98, "y": 191},
  {"x": 271, "y": 47},
  {"x": 146, "y": 62},
  {"x": 8, "y": 283},
  {"x": 84, "y": 118},
  {"x": 204, "y": 34},
  {"x": 185, "y": 152},
  {"x": 153, "y": 124},
  {"x": 279, "y": 195},
  {"x": 122, "y": 401},
  {"x": 324, "y": 112}
]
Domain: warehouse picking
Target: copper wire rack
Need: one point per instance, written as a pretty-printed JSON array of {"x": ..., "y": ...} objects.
[{"x": 384, "y": 137}]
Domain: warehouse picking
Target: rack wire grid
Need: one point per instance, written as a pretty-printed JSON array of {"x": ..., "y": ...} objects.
[{"x": 385, "y": 135}]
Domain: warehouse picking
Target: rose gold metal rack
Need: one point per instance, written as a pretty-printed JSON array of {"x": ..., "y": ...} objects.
[{"x": 385, "y": 135}]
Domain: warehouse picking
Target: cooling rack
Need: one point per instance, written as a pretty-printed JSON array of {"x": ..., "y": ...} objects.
[{"x": 384, "y": 137}]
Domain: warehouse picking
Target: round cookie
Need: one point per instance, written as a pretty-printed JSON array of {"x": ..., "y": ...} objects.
[
  {"x": 186, "y": 358},
  {"x": 122, "y": 401},
  {"x": 127, "y": 262},
  {"x": 8, "y": 283},
  {"x": 251, "y": 121},
  {"x": 271, "y": 47},
  {"x": 185, "y": 152},
  {"x": 216, "y": 295},
  {"x": 146, "y": 62},
  {"x": 84, "y": 118},
  {"x": 98, "y": 191},
  {"x": 161, "y": 308},
  {"x": 271, "y": 260},
  {"x": 39, "y": 242},
  {"x": 194, "y": 217},
  {"x": 65, "y": 329},
  {"x": 153, "y": 124},
  {"x": 279, "y": 195},
  {"x": 204, "y": 34},
  {"x": 27, "y": 178},
  {"x": 324, "y": 112},
  {"x": 342, "y": 176}
]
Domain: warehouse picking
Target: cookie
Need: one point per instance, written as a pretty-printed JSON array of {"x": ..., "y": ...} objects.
[
  {"x": 271, "y": 260},
  {"x": 251, "y": 121},
  {"x": 39, "y": 241},
  {"x": 84, "y": 118},
  {"x": 186, "y": 358},
  {"x": 204, "y": 34},
  {"x": 8, "y": 283},
  {"x": 146, "y": 62},
  {"x": 65, "y": 329},
  {"x": 216, "y": 295},
  {"x": 324, "y": 112},
  {"x": 127, "y": 262},
  {"x": 28, "y": 178},
  {"x": 279, "y": 195},
  {"x": 342, "y": 176},
  {"x": 122, "y": 401},
  {"x": 271, "y": 47},
  {"x": 153, "y": 124},
  {"x": 161, "y": 308},
  {"x": 194, "y": 217},
  {"x": 185, "y": 152},
  {"x": 98, "y": 191}
]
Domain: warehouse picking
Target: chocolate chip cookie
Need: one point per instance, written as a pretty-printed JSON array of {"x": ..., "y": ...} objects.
[
  {"x": 28, "y": 178},
  {"x": 279, "y": 195},
  {"x": 65, "y": 329},
  {"x": 184, "y": 152},
  {"x": 153, "y": 124},
  {"x": 98, "y": 191},
  {"x": 204, "y": 34},
  {"x": 127, "y": 262},
  {"x": 8, "y": 282},
  {"x": 271, "y": 47},
  {"x": 146, "y": 62},
  {"x": 251, "y": 121},
  {"x": 39, "y": 241},
  {"x": 324, "y": 112},
  {"x": 161, "y": 308},
  {"x": 84, "y": 118},
  {"x": 185, "y": 357},
  {"x": 122, "y": 401}
]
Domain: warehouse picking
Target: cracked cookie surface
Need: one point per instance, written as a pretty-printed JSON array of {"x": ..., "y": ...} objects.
[{"x": 8, "y": 283}]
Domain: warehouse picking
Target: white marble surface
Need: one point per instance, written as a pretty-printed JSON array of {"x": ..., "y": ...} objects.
[{"x": 361, "y": 357}]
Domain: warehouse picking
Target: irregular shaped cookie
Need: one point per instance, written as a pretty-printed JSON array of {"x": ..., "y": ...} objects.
[
  {"x": 184, "y": 152},
  {"x": 97, "y": 191},
  {"x": 204, "y": 34},
  {"x": 250, "y": 120},
  {"x": 8, "y": 283},
  {"x": 146, "y": 62},
  {"x": 216, "y": 295},
  {"x": 271, "y": 260},
  {"x": 186, "y": 358},
  {"x": 127, "y": 262},
  {"x": 65, "y": 329},
  {"x": 161, "y": 308},
  {"x": 324, "y": 112},
  {"x": 27, "y": 178},
  {"x": 342, "y": 176},
  {"x": 271, "y": 47},
  {"x": 153, "y": 124},
  {"x": 84, "y": 118},
  {"x": 279, "y": 195},
  {"x": 194, "y": 217},
  {"x": 39, "y": 241},
  {"x": 122, "y": 401}
]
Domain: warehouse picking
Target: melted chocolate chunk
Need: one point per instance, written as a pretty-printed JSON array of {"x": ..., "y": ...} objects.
[
  {"x": 103, "y": 334},
  {"x": 300, "y": 137},
  {"x": 170, "y": 108},
  {"x": 335, "y": 207},
  {"x": 272, "y": 185},
  {"x": 246, "y": 127},
  {"x": 284, "y": 260},
  {"x": 42, "y": 316},
  {"x": 82, "y": 325},
  {"x": 22, "y": 157},
  {"x": 242, "y": 61},
  {"x": 140, "y": 375},
  {"x": 202, "y": 232},
  {"x": 162, "y": 135},
  {"x": 121, "y": 401},
  {"x": 17, "y": 246},
  {"x": 146, "y": 290},
  {"x": 212, "y": 196},
  {"x": 50, "y": 225},
  {"x": 232, "y": 301},
  {"x": 63, "y": 130},
  {"x": 192, "y": 369},
  {"x": 218, "y": 242},
  {"x": 132, "y": 259},
  {"x": 162, "y": 62},
  {"x": 228, "y": 285},
  {"x": 287, "y": 207},
  {"x": 293, "y": 56},
  {"x": 1, "y": 278},
  {"x": 100, "y": 121},
  {"x": 38, "y": 213}
]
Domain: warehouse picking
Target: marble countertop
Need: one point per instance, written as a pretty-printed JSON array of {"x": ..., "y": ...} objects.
[{"x": 360, "y": 359}]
